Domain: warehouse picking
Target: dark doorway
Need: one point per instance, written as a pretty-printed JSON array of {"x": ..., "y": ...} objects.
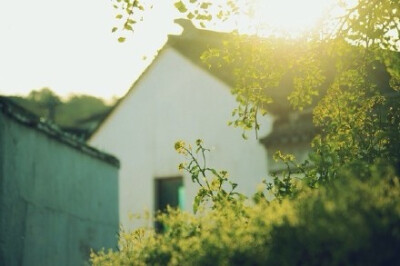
[{"x": 168, "y": 192}]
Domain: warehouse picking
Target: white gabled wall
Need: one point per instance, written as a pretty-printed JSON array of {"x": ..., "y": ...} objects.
[{"x": 175, "y": 99}]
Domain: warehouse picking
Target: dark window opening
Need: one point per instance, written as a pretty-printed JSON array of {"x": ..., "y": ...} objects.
[{"x": 168, "y": 192}]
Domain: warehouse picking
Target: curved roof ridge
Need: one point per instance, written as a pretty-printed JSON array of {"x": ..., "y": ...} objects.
[{"x": 190, "y": 43}]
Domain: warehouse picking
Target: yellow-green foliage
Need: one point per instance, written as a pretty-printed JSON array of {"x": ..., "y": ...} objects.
[
  {"x": 345, "y": 210},
  {"x": 353, "y": 221}
]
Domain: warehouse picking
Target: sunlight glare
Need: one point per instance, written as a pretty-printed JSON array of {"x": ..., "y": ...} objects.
[{"x": 287, "y": 17}]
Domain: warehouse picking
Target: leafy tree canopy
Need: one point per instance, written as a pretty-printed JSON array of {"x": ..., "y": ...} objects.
[
  {"x": 346, "y": 69},
  {"x": 78, "y": 114},
  {"x": 345, "y": 205}
]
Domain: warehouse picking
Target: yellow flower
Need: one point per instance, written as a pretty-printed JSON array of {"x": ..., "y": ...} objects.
[
  {"x": 181, "y": 166},
  {"x": 180, "y": 146}
]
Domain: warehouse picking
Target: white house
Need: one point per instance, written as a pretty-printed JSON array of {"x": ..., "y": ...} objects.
[{"x": 176, "y": 98}]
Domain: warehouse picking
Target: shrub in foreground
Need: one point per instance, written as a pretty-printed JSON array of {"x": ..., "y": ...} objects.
[{"x": 353, "y": 221}]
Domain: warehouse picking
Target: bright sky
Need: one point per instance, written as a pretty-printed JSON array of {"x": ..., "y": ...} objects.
[
  {"x": 68, "y": 45},
  {"x": 289, "y": 17}
]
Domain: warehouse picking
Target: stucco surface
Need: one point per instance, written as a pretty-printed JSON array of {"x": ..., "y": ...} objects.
[
  {"x": 56, "y": 202},
  {"x": 173, "y": 100}
]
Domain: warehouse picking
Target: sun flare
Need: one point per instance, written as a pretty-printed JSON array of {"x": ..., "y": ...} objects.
[{"x": 286, "y": 17}]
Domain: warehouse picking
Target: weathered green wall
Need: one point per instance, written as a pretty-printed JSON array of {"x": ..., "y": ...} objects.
[{"x": 56, "y": 202}]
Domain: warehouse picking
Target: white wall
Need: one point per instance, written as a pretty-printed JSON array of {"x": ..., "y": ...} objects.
[
  {"x": 175, "y": 99},
  {"x": 56, "y": 203}
]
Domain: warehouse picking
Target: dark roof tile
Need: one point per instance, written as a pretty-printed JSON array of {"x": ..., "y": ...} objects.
[{"x": 26, "y": 118}]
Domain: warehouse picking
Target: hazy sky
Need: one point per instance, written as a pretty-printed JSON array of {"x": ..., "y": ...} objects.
[{"x": 68, "y": 46}]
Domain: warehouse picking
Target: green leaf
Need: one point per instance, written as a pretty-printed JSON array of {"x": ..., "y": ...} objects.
[
  {"x": 234, "y": 185},
  {"x": 121, "y": 39},
  {"x": 196, "y": 203},
  {"x": 114, "y": 29},
  {"x": 190, "y": 16},
  {"x": 128, "y": 27},
  {"x": 205, "y": 5},
  {"x": 180, "y": 6},
  {"x": 119, "y": 16},
  {"x": 214, "y": 172}
]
